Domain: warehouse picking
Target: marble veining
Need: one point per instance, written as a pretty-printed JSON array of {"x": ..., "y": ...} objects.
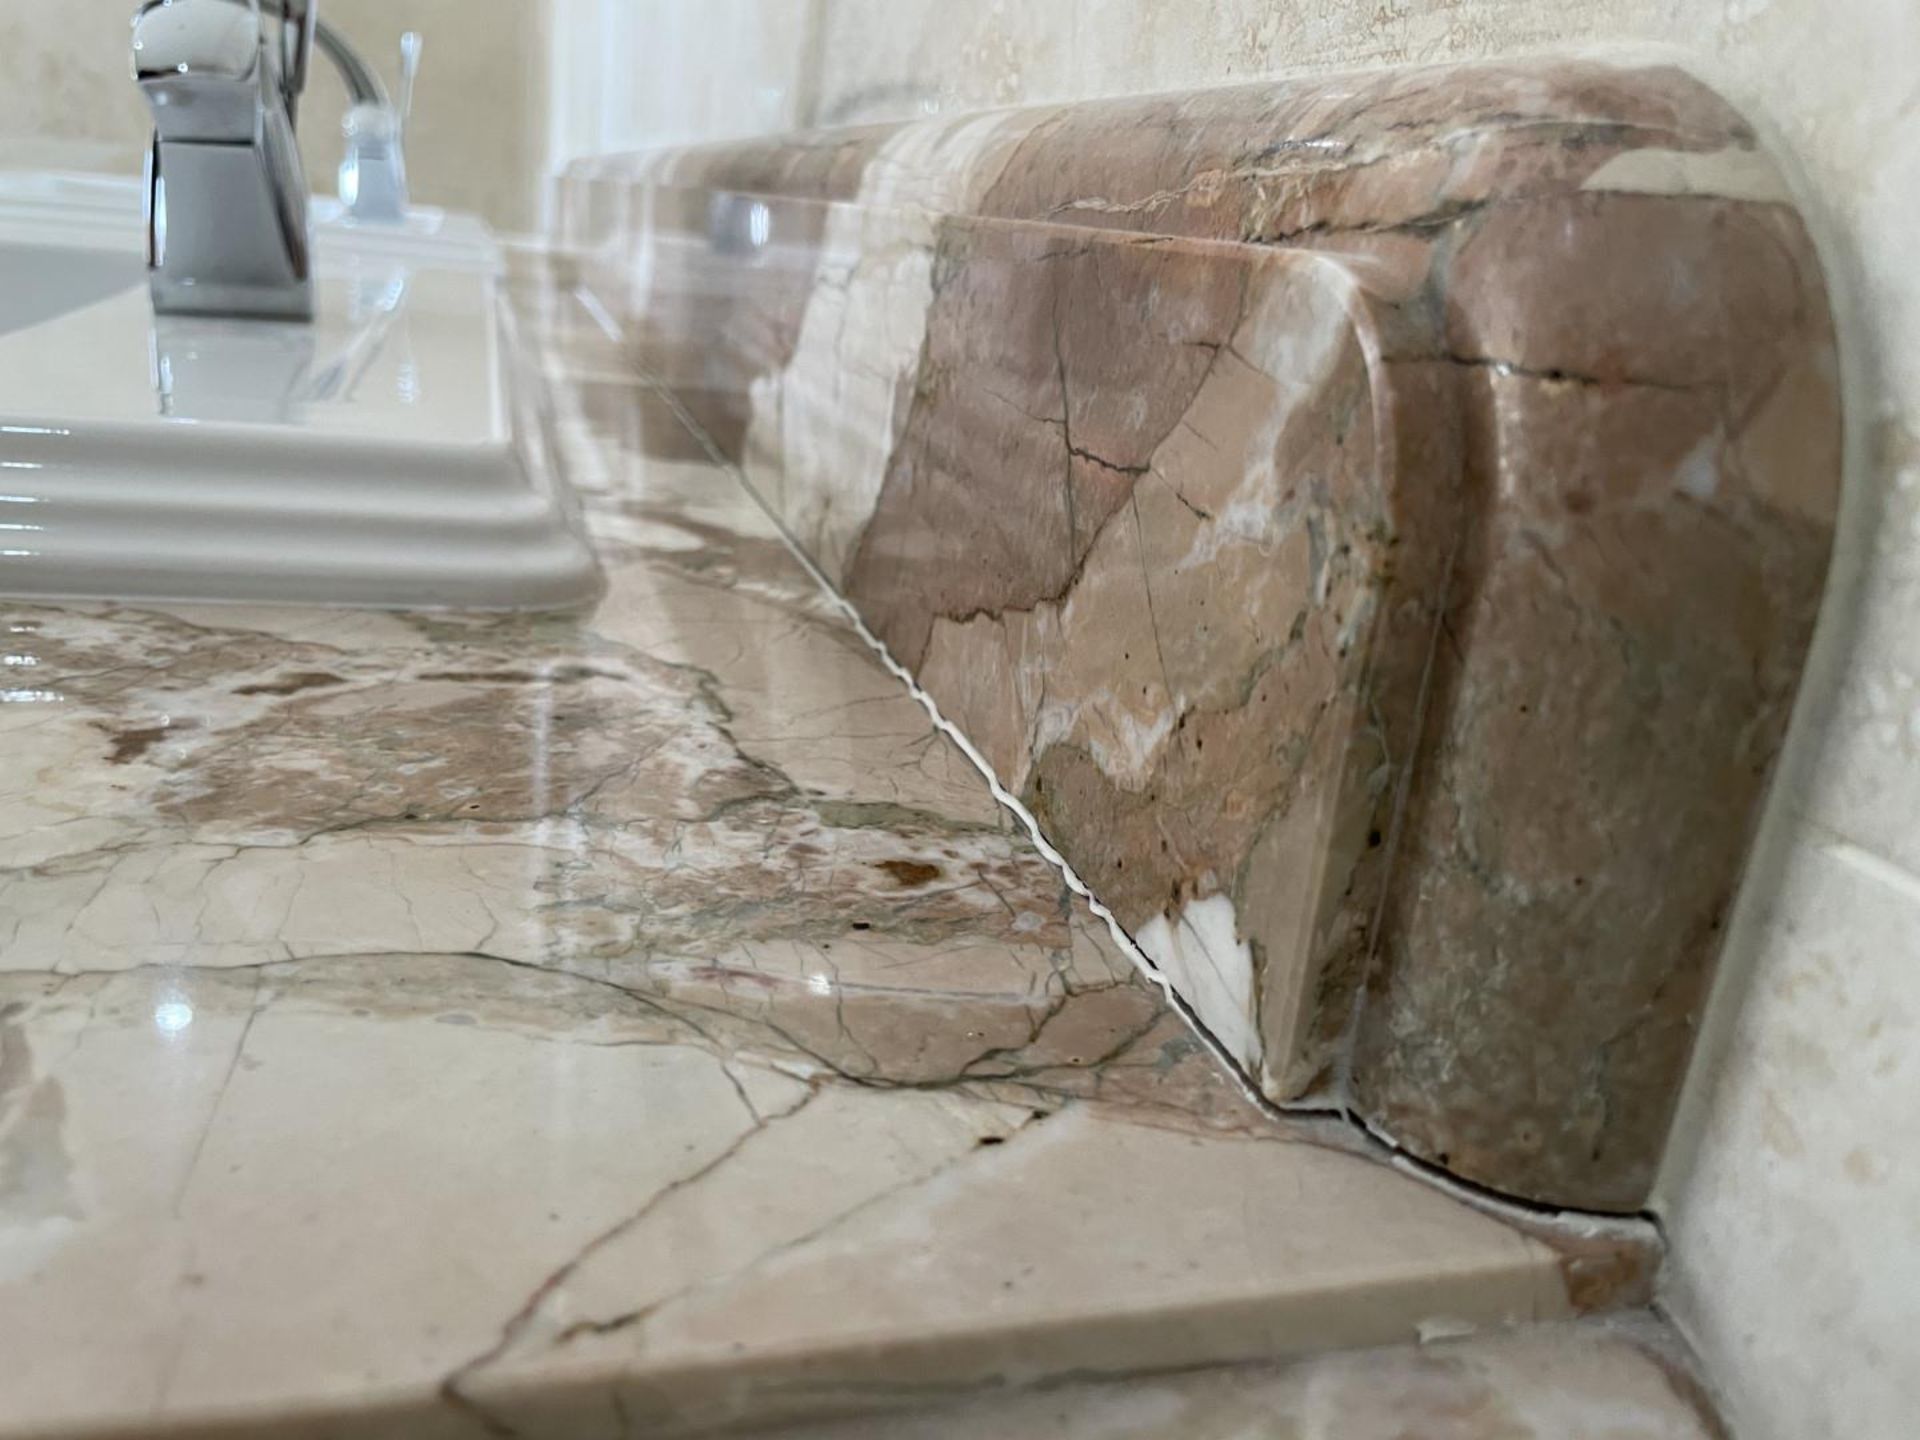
[
  {"x": 613, "y": 1024},
  {"x": 1373, "y": 522},
  {"x": 1553, "y": 1383}
]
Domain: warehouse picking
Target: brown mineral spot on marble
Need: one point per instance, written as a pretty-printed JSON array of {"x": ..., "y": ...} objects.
[
  {"x": 291, "y": 684},
  {"x": 908, "y": 874},
  {"x": 131, "y": 744},
  {"x": 563, "y": 674},
  {"x": 481, "y": 677},
  {"x": 1864, "y": 1167}
]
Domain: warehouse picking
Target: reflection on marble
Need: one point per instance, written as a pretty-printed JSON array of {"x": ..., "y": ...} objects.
[
  {"x": 1553, "y": 1383},
  {"x": 1374, "y": 522},
  {"x": 601, "y": 1025}
]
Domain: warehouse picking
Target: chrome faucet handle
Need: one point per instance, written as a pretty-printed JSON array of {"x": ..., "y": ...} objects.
[
  {"x": 410, "y": 46},
  {"x": 298, "y": 21}
]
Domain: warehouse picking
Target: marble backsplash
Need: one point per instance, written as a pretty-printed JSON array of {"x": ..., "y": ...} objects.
[{"x": 1374, "y": 523}]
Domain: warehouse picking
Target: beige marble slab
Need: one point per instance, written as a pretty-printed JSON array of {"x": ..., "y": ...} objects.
[
  {"x": 1553, "y": 1383},
  {"x": 455, "y": 1193},
  {"x": 606, "y": 1024}
]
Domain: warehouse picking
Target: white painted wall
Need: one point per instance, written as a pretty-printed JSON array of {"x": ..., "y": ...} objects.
[
  {"x": 1793, "y": 1194},
  {"x": 636, "y": 74}
]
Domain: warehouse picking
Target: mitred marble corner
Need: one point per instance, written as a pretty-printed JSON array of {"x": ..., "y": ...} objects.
[{"x": 1375, "y": 523}]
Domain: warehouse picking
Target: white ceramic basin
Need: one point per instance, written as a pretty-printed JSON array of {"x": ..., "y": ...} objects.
[
  {"x": 388, "y": 454},
  {"x": 62, "y": 280}
]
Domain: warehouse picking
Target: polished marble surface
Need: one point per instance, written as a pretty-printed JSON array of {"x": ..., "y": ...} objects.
[
  {"x": 1374, "y": 521},
  {"x": 606, "y": 1024},
  {"x": 1552, "y": 1383}
]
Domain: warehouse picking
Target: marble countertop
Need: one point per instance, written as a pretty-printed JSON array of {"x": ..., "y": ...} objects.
[
  {"x": 584, "y": 1025},
  {"x": 1374, "y": 521}
]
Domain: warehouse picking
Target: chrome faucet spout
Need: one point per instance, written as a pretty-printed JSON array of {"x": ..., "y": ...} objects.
[{"x": 227, "y": 230}]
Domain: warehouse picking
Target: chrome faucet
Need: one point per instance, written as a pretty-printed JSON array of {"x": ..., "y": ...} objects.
[
  {"x": 226, "y": 193},
  {"x": 227, "y": 226}
]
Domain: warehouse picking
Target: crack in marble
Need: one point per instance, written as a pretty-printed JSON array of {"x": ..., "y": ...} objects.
[
  {"x": 192, "y": 1167},
  {"x": 628, "y": 1320},
  {"x": 453, "y": 1387}
]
